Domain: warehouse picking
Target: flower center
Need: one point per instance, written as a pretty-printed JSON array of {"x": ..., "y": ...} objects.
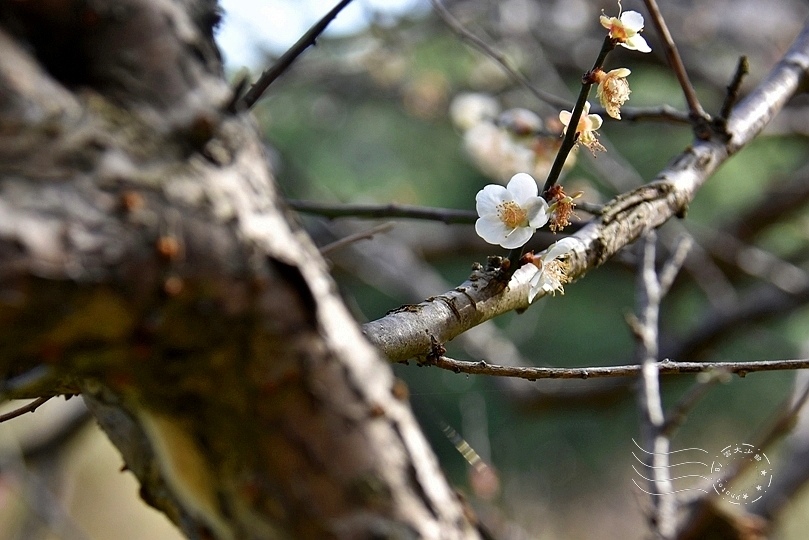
[
  {"x": 511, "y": 214},
  {"x": 556, "y": 272},
  {"x": 585, "y": 125},
  {"x": 620, "y": 32},
  {"x": 617, "y": 90}
]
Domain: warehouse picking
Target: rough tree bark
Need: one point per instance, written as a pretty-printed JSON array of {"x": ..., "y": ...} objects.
[{"x": 147, "y": 263}]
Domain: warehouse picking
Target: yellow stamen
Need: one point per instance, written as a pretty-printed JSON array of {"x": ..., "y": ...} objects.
[{"x": 512, "y": 214}]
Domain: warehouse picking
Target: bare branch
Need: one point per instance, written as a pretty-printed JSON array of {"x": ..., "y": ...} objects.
[
  {"x": 408, "y": 211},
  {"x": 28, "y": 407},
  {"x": 456, "y": 26},
  {"x": 392, "y": 210},
  {"x": 672, "y": 267},
  {"x": 292, "y": 54},
  {"x": 356, "y": 237},
  {"x": 571, "y": 135},
  {"x": 396, "y": 268},
  {"x": 665, "y": 113},
  {"x": 676, "y": 63},
  {"x": 664, "y": 367}
]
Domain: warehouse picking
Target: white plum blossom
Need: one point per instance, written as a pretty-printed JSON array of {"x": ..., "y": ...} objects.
[
  {"x": 512, "y": 142},
  {"x": 626, "y": 30},
  {"x": 613, "y": 90},
  {"x": 496, "y": 153},
  {"x": 470, "y": 109},
  {"x": 588, "y": 124},
  {"x": 510, "y": 215},
  {"x": 548, "y": 272}
]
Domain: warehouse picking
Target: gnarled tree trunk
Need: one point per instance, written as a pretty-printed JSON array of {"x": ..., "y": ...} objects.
[{"x": 147, "y": 263}]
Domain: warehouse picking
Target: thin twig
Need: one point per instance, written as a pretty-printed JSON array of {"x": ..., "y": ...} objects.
[
  {"x": 672, "y": 267},
  {"x": 676, "y": 63},
  {"x": 742, "y": 69},
  {"x": 286, "y": 60},
  {"x": 571, "y": 134},
  {"x": 456, "y": 26},
  {"x": 356, "y": 237},
  {"x": 393, "y": 210},
  {"x": 664, "y": 367},
  {"x": 677, "y": 415},
  {"x": 29, "y": 407},
  {"x": 235, "y": 102},
  {"x": 708, "y": 275},
  {"x": 663, "y": 113}
]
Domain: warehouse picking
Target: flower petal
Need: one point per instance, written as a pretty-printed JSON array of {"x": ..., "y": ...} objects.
[
  {"x": 550, "y": 284},
  {"x": 607, "y": 22},
  {"x": 489, "y": 197},
  {"x": 621, "y": 73},
  {"x": 522, "y": 187},
  {"x": 537, "y": 209},
  {"x": 523, "y": 275},
  {"x": 537, "y": 282},
  {"x": 491, "y": 229},
  {"x": 637, "y": 43},
  {"x": 564, "y": 117},
  {"x": 632, "y": 20},
  {"x": 595, "y": 121},
  {"x": 517, "y": 237},
  {"x": 562, "y": 247}
]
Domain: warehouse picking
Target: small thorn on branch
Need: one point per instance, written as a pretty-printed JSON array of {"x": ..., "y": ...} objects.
[
  {"x": 742, "y": 69},
  {"x": 29, "y": 407}
]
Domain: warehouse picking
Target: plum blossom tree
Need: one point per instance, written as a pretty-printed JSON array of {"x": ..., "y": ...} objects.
[{"x": 151, "y": 264}]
